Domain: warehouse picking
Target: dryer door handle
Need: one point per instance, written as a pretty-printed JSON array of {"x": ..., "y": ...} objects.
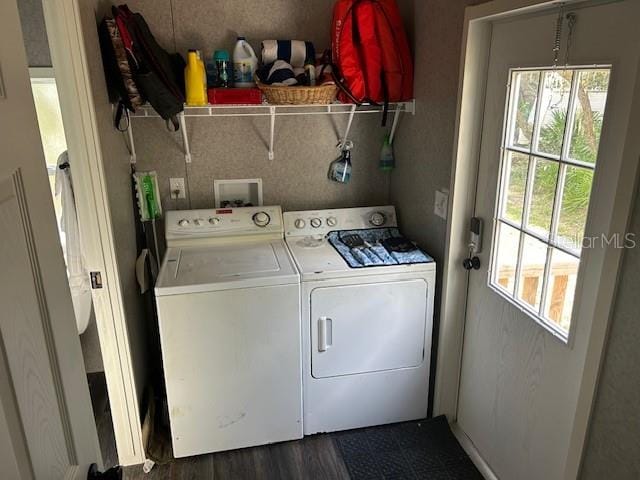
[{"x": 325, "y": 333}]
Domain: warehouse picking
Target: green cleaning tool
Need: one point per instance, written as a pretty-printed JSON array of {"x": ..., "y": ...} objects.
[{"x": 148, "y": 195}]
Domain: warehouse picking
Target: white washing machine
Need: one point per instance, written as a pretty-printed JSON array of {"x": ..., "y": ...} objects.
[
  {"x": 228, "y": 298},
  {"x": 367, "y": 317}
]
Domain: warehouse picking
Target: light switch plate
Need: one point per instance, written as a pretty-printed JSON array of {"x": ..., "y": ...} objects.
[
  {"x": 176, "y": 186},
  {"x": 441, "y": 203}
]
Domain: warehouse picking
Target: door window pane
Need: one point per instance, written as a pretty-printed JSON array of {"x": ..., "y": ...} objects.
[
  {"x": 591, "y": 98},
  {"x": 553, "y": 111},
  {"x": 574, "y": 206},
  {"x": 504, "y": 273},
  {"x": 534, "y": 257},
  {"x": 516, "y": 182},
  {"x": 525, "y": 93},
  {"x": 561, "y": 289},
  {"x": 550, "y": 149},
  {"x": 545, "y": 177}
]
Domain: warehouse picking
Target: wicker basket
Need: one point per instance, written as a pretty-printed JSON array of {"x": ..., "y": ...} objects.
[{"x": 298, "y": 95}]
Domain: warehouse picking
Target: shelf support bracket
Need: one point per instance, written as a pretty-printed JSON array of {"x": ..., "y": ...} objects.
[
  {"x": 185, "y": 138},
  {"x": 272, "y": 130},
  {"x": 132, "y": 146},
  {"x": 345, "y": 138},
  {"x": 394, "y": 126}
]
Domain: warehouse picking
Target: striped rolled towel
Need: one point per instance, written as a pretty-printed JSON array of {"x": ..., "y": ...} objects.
[
  {"x": 294, "y": 52},
  {"x": 277, "y": 73}
]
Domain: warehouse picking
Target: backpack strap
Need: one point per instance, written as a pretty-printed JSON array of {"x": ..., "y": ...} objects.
[
  {"x": 385, "y": 96},
  {"x": 172, "y": 123},
  {"x": 340, "y": 83},
  {"x": 121, "y": 112}
]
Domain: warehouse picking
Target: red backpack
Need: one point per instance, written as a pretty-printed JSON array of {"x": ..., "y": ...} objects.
[{"x": 371, "y": 52}]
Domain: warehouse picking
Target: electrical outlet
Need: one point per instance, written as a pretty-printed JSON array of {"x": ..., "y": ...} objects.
[
  {"x": 176, "y": 186},
  {"x": 441, "y": 204}
]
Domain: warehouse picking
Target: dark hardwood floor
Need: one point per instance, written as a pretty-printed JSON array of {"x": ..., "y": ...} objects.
[
  {"x": 104, "y": 424},
  {"x": 410, "y": 450},
  {"x": 313, "y": 457}
]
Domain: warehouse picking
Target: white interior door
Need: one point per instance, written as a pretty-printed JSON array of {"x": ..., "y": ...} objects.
[
  {"x": 550, "y": 140},
  {"x": 46, "y": 423}
]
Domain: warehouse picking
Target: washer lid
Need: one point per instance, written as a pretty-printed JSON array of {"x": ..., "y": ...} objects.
[{"x": 203, "y": 269}]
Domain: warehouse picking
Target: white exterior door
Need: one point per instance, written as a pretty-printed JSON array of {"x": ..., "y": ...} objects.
[
  {"x": 46, "y": 423},
  {"x": 550, "y": 140}
]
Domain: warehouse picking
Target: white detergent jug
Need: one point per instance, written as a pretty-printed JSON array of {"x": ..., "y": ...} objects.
[{"x": 245, "y": 63}]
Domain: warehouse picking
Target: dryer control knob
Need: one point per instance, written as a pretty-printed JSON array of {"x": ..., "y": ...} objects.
[
  {"x": 316, "y": 222},
  {"x": 377, "y": 219},
  {"x": 199, "y": 221},
  {"x": 299, "y": 223},
  {"x": 332, "y": 222},
  {"x": 214, "y": 220},
  {"x": 261, "y": 219},
  {"x": 184, "y": 222}
]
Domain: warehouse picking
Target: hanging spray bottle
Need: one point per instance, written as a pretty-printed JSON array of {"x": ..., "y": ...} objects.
[
  {"x": 340, "y": 168},
  {"x": 387, "y": 160}
]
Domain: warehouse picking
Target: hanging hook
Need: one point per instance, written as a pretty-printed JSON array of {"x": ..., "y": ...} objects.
[
  {"x": 558, "y": 35},
  {"x": 344, "y": 141},
  {"x": 185, "y": 138},
  {"x": 132, "y": 146},
  {"x": 572, "y": 19},
  {"x": 272, "y": 130}
]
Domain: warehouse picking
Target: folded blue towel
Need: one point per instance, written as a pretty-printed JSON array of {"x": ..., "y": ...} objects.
[
  {"x": 383, "y": 255},
  {"x": 373, "y": 258},
  {"x": 360, "y": 256},
  {"x": 375, "y": 253}
]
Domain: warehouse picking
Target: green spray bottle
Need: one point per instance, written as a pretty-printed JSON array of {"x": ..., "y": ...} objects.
[{"x": 387, "y": 161}]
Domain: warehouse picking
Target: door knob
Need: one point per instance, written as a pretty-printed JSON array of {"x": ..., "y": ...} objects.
[{"x": 471, "y": 263}]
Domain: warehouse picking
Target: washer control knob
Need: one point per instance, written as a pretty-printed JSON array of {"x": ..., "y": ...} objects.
[
  {"x": 184, "y": 222},
  {"x": 261, "y": 219},
  {"x": 332, "y": 222},
  {"x": 316, "y": 222},
  {"x": 214, "y": 220},
  {"x": 199, "y": 222},
  {"x": 377, "y": 219},
  {"x": 299, "y": 223}
]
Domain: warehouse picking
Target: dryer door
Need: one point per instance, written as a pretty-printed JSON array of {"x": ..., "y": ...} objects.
[{"x": 367, "y": 328}]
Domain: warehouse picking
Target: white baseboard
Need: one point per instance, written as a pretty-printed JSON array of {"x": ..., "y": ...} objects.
[{"x": 473, "y": 453}]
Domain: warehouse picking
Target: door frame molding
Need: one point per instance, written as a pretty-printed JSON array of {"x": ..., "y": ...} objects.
[
  {"x": 476, "y": 43},
  {"x": 69, "y": 57}
]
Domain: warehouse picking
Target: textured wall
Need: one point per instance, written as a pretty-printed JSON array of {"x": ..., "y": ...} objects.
[
  {"x": 90, "y": 343},
  {"x": 424, "y": 146},
  {"x": 613, "y": 447},
  {"x": 236, "y": 148},
  {"x": 34, "y": 33}
]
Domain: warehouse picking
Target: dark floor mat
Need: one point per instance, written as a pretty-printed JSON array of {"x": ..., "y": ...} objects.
[{"x": 412, "y": 450}]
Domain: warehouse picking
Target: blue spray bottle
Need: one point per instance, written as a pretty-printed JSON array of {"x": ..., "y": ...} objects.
[{"x": 340, "y": 168}]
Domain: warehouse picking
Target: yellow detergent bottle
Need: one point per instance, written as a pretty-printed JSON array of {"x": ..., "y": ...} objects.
[{"x": 194, "y": 81}]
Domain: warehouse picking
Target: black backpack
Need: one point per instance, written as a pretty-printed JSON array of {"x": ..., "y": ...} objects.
[{"x": 158, "y": 75}]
